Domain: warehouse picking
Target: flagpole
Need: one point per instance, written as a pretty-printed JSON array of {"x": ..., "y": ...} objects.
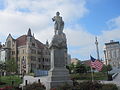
[{"x": 92, "y": 75}]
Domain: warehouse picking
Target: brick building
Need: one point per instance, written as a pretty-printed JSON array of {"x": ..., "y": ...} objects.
[{"x": 29, "y": 53}]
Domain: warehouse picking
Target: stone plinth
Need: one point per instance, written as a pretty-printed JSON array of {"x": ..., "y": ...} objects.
[{"x": 58, "y": 74}]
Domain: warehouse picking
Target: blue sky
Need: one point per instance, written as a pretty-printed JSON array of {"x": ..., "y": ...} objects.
[
  {"x": 84, "y": 19},
  {"x": 99, "y": 13}
]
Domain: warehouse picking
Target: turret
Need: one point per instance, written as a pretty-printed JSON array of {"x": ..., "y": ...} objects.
[
  {"x": 29, "y": 33},
  {"x": 47, "y": 43},
  {"x": 29, "y": 40}
]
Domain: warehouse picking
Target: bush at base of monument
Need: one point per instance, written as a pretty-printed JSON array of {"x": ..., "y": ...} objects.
[
  {"x": 88, "y": 85},
  {"x": 35, "y": 86}
]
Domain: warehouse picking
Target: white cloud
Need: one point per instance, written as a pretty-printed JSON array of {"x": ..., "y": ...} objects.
[
  {"x": 38, "y": 17},
  {"x": 85, "y": 41},
  {"x": 114, "y": 23},
  {"x": 38, "y": 14}
]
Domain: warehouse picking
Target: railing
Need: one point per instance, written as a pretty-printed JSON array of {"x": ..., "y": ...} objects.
[
  {"x": 114, "y": 75},
  {"x": 41, "y": 72}
]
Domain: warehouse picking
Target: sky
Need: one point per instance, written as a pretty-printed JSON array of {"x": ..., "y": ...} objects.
[{"x": 84, "y": 20}]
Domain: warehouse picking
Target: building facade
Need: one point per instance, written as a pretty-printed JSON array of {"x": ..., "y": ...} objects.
[
  {"x": 2, "y": 55},
  {"x": 68, "y": 60},
  {"x": 74, "y": 61},
  {"x": 29, "y": 53},
  {"x": 112, "y": 54}
]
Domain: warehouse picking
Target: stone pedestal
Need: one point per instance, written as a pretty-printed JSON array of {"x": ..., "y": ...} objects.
[{"x": 58, "y": 74}]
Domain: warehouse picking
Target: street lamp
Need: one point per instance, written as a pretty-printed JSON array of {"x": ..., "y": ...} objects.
[{"x": 105, "y": 57}]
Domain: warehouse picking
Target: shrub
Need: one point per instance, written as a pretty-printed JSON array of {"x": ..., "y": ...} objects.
[
  {"x": 7, "y": 88},
  {"x": 88, "y": 85},
  {"x": 75, "y": 76},
  {"x": 109, "y": 87},
  {"x": 35, "y": 86},
  {"x": 2, "y": 83},
  {"x": 63, "y": 87}
]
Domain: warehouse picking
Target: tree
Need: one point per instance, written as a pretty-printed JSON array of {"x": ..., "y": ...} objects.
[
  {"x": 81, "y": 68},
  {"x": 2, "y": 66},
  {"x": 88, "y": 68},
  {"x": 11, "y": 66},
  {"x": 106, "y": 68},
  {"x": 71, "y": 68},
  {"x": 109, "y": 67}
]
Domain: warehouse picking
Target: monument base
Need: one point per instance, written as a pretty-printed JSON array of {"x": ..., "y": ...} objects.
[{"x": 58, "y": 77}]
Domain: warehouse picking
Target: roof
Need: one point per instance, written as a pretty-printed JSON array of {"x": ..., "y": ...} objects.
[
  {"x": 111, "y": 43},
  {"x": 39, "y": 44},
  {"x": 21, "y": 40}
]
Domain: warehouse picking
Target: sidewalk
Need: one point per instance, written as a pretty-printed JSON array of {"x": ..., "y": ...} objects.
[{"x": 115, "y": 81}]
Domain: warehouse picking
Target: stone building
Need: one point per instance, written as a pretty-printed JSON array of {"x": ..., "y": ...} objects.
[
  {"x": 112, "y": 54},
  {"x": 29, "y": 53},
  {"x": 2, "y": 55}
]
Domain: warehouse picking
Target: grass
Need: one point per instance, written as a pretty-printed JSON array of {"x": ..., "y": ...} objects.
[
  {"x": 8, "y": 80},
  {"x": 87, "y": 76}
]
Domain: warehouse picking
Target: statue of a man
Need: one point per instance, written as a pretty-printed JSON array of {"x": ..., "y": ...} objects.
[{"x": 59, "y": 23}]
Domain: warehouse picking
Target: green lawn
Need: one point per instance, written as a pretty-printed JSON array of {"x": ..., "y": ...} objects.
[
  {"x": 87, "y": 76},
  {"x": 8, "y": 80}
]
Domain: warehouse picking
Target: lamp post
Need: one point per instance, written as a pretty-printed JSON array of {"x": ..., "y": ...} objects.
[
  {"x": 106, "y": 64},
  {"x": 105, "y": 57},
  {"x": 0, "y": 71}
]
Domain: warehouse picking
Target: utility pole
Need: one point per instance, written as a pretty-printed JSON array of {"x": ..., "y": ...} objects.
[{"x": 97, "y": 49}]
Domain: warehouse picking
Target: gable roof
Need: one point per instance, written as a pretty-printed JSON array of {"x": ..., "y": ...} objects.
[
  {"x": 39, "y": 44},
  {"x": 21, "y": 40}
]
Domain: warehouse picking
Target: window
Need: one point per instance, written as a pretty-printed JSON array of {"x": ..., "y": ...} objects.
[
  {"x": 39, "y": 59},
  {"x": 30, "y": 39},
  {"x": 33, "y": 65},
  {"x": 23, "y": 51},
  {"x": 113, "y": 54},
  {"x": 117, "y": 53},
  {"x": 13, "y": 52},
  {"x": 43, "y": 59},
  {"x": 33, "y": 51},
  {"x": 109, "y": 54},
  {"x": 33, "y": 44},
  {"x": 18, "y": 51},
  {"x": 39, "y": 66},
  {"x": 33, "y": 58},
  {"x": 38, "y": 52},
  {"x": 9, "y": 44}
]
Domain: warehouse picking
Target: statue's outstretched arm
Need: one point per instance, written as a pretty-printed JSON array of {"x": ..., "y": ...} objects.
[{"x": 53, "y": 19}]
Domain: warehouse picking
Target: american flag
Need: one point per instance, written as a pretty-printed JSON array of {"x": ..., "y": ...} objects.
[{"x": 97, "y": 64}]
